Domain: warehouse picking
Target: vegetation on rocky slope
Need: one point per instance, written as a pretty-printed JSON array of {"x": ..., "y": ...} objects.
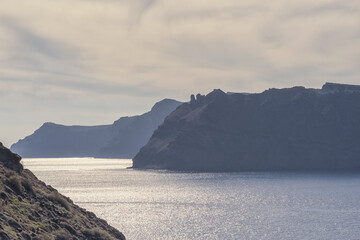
[{"x": 29, "y": 209}]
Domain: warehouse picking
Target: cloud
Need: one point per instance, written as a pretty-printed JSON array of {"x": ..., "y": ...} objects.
[
  {"x": 140, "y": 7},
  {"x": 125, "y": 55},
  {"x": 322, "y": 8},
  {"x": 27, "y": 40},
  {"x": 245, "y": 38},
  {"x": 30, "y": 53}
]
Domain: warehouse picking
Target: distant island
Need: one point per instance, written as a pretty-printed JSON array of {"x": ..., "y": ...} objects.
[
  {"x": 29, "y": 209},
  {"x": 122, "y": 139},
  {"x": 293, "y": 129}
]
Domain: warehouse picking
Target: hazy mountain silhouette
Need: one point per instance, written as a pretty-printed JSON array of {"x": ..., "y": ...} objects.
[
  {"x": 122, "y": 139},
  {"x": 279, "y": 129}
]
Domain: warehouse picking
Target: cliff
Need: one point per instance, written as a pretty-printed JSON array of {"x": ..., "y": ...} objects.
[
  {"x": 276, "y": 130},
  {"x": 122, "y": 139},
  {"x": 31, "y": 210}
]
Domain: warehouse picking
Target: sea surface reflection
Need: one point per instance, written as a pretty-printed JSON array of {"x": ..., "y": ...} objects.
[{"x": 168, "y": 205}]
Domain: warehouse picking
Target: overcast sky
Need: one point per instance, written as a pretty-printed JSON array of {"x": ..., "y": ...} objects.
[{"x": 91, "y": 61}]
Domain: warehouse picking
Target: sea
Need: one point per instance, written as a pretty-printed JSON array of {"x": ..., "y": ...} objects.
[{"x": 154, "y": 204}]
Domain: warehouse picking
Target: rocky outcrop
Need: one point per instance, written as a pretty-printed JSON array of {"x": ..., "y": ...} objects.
[
  {"x": 31, "y": 210},
  {"x": 335, "y": 87},
  {"x": 10, "y": 159},
  {"x": 277, "y": 130},
  {"x": 122, "y": 139}
]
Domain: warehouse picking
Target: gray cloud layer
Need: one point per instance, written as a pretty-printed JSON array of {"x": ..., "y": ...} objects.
[{"x": 91, "y": 61}]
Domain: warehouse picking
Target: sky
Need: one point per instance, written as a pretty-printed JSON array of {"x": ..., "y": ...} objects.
[{"x": 89, "y": 62}]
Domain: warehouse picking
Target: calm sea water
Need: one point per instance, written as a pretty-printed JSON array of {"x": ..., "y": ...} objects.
[{"x": 166, "y": 205}]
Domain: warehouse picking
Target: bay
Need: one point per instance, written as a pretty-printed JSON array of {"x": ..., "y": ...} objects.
[{"x": 170, "y": 205}]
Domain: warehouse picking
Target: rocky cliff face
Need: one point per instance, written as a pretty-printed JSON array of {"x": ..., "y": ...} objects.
[
  {"x": 31, "y": 210},
  {"x": 123, "y": 139},
  {"x": 9, "y": 159},
  {"x": 279, "y": 129}
]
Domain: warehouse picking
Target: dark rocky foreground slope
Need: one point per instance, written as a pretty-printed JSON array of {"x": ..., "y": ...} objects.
[
  {"x": 122, "y": 139},
  {"x": 31, "y": 210},
  {"x": 279, "y": 129}
]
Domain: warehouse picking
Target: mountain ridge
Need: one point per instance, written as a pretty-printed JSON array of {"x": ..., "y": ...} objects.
[
  {"x": 56, "y": 140},
  {"x": 291, "y": 129}
]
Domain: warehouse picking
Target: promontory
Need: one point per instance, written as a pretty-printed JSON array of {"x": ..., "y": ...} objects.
[
  {"x": 292, "y": 129},
  {"x": 122, "y": 139}
]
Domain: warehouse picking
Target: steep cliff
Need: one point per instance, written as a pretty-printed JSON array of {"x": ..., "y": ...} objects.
[
  {"x": 32, "y": 210},
  {"x": 279, "y": 129},
  {"x": 123, "y": 139}
]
